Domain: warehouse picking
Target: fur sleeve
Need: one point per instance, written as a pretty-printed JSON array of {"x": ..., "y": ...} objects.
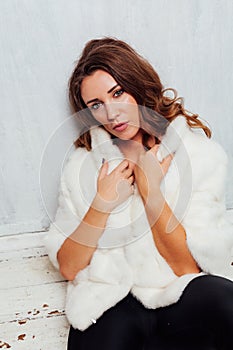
[
  {"x": 65, "y": 222},
  {"x": 209, "y": 233}
]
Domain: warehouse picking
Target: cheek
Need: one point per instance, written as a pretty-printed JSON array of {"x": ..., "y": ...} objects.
[
  {"x": 133, "y": 113},
  {"x": 131, "y": 101},
  {"x": 110, "y": 131},
  {"x": 99, "y": 116}
]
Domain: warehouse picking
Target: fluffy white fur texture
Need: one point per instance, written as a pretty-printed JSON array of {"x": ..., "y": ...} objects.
[{"x": 127, "y": 259}]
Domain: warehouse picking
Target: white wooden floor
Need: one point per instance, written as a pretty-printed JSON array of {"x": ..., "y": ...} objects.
[{"x": 32, "y": 295}]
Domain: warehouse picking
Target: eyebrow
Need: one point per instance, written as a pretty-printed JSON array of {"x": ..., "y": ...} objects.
[{"x": 96, "y": 99}]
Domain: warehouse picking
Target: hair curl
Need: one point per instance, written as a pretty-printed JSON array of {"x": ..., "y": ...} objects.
[{"x": 138, "y": 78}]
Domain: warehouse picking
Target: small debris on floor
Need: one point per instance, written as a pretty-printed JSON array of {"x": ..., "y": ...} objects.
[
  {"x": 4, "y": 345},
  {"x": 55, "y": 312},
  {"x": 21, "y": 336},
  {"x": 22, "y": 321}
]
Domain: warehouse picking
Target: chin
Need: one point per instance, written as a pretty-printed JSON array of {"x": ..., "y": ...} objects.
[{"x": 125, "y": 135}]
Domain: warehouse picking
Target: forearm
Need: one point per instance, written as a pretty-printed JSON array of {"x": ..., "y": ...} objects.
[
  {"x": 77, "y": 250},
  {"x": 112, "y": 190},
  {"x": 169, "y": 236}
]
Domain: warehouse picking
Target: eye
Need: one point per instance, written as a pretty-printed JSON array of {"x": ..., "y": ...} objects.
[
  {"x": 95, "y": 106},
  {"x": 118, "y": 93}
]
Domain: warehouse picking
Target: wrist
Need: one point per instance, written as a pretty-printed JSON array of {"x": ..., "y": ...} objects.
[
  {"x": 153, "y": 197},
  {"x": 96, "y": 216},
  {"x": 102, "y": 206},
  {"x": 154, "y": 205}
]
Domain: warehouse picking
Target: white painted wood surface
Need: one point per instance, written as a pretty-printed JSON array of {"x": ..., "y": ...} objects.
[
  {"x": 32, "y": 296},
  {"x": 190, "y": 43}
]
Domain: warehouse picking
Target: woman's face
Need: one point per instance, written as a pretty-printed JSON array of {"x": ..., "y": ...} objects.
[{"x": 111, "y": 106}]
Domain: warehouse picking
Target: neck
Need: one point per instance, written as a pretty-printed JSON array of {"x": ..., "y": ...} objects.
[{"x": 131, "y": 149}]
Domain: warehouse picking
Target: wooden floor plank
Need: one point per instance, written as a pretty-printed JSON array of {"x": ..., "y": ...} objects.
[
  {"x": 32, "y": 302},
  {"x": 32, "y": 296},
  {"x": 27, "y": 273},
  {"x": 21, "y": 241},
  {"x": 36, "y": 334}
]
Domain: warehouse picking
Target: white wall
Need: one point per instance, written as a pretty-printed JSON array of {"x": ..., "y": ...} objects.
[{"x": 190, "y": 43}]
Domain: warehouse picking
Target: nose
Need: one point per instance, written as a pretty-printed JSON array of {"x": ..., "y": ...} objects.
[{"x": 112, "y": 111}]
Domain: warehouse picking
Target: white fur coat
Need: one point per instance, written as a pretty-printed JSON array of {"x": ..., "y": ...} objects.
[{"x": 127, "y": 259}]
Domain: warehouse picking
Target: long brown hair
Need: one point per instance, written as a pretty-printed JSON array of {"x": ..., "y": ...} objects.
[{"x": 138, "y": 78}]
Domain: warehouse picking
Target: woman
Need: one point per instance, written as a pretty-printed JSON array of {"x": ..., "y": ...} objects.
[{"x": 140, "y": 232}]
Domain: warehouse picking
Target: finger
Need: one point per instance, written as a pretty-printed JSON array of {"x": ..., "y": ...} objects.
[
  {"x": 132, "y": 188},
  {"x": 123, "y": 165},
  {"x": 154, "y": 149},
  {"x": 166, "y": 163},
  {"x": 103, "y": 170},
  {"x": 131, "y": 179},
  {"x": 127, "y": 173},
  {"x": 132, "y": 165}
]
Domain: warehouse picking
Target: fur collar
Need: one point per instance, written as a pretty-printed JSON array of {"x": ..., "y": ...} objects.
[{"x": 175, "y": 132}]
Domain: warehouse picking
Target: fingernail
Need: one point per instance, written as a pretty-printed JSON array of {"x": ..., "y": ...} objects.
[{"x": 103, "y": 160}]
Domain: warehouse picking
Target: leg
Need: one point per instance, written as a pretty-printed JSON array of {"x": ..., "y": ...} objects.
[
  {"x": 202, "y": 318},
  {"x": 117, "y": 329}
]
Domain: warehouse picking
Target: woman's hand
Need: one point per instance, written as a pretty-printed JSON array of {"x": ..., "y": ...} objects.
[
  {"x": 149, "y": 172},
  {"x": 114, "y": 188}
]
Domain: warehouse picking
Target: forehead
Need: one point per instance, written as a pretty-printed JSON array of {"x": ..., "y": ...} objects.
[{"x": 98, "y": 82}]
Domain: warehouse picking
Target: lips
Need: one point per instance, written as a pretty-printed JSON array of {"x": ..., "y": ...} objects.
[{"x": 121, "y": 126}]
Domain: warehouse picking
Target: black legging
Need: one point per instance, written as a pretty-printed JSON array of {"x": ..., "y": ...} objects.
[{"x": 202, "y": 319}]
